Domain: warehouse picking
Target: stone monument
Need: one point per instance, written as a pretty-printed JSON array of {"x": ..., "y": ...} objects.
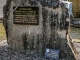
[{"x": 34, "y": 25}]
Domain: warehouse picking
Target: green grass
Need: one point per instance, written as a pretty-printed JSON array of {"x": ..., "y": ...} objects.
[
  {"x": 75, "y": 34},
  {"x": 77, "y": 30},
  {"x": 2, "y": 32}
]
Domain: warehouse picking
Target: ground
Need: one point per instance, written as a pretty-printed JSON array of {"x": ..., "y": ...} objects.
[
  {"x": 75, "y": 35},
  {"x": 77, "y": 46}
]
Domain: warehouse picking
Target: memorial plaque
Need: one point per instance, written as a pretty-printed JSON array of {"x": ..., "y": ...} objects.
[
  {"x": 26, "y": 15},
  {"x": 52, "y": 54}
]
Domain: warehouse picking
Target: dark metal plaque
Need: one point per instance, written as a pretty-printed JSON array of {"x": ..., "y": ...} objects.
[
  {"x": 26, "y": 15},
  {"x": 52, "y": 54}
]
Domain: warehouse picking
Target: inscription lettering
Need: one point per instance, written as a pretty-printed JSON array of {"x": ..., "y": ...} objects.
[{"x": 26, "y": 15}]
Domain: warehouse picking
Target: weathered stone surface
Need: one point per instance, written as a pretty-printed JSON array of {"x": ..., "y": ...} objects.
[{"x": 51, "y": 32}]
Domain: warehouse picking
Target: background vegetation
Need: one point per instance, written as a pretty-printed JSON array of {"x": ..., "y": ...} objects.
[{"x": 2, "y": 33}]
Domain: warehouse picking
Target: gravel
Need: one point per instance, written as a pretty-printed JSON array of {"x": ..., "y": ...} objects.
[{"x": 7, "y": 53}]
